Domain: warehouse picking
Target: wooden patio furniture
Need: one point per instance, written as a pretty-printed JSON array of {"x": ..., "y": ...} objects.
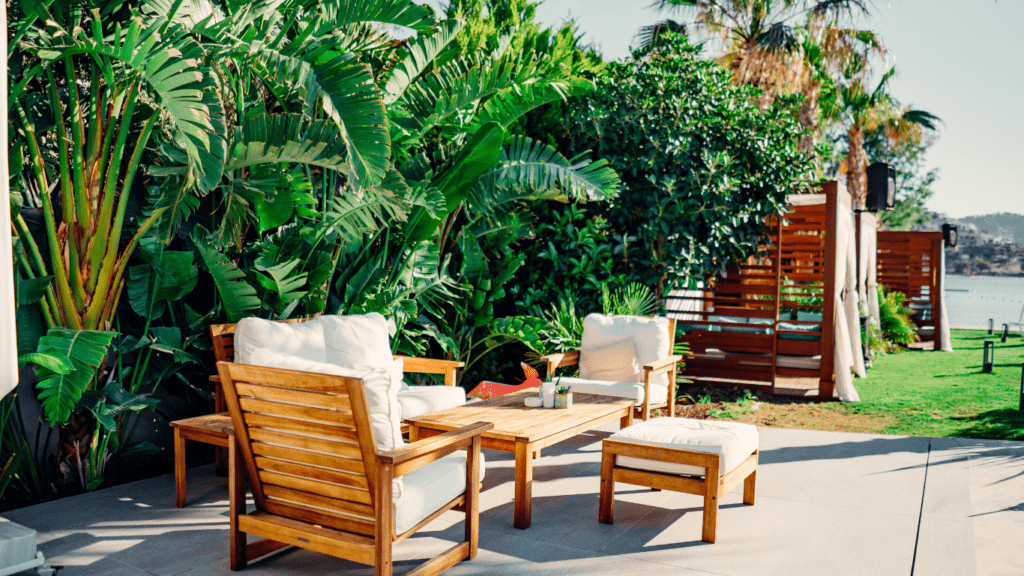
[
  {"x": 663, "y": 365},
  {"x": 524, "y": 431},
  {"x": 307, "y": 447},
  {"x": 650, "y": 459},
  {"x": 213, "y": 428}
]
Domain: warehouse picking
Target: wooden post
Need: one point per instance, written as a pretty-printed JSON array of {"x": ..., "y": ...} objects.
[
  {"x": 712, "y": 484},
  {"x": 827, "y": 373},
  {"x": 179, "y": 469},
  {"x": 385, "y": 527},
  {"x": 936, "y": 291},
  {"x": 524, "y": 485},
  {"x": 473, "y": 497},
  {"x": 606, "y": 501},
  {"x": 236, "y": 500}
]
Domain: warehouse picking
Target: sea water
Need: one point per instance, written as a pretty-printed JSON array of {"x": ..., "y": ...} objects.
[{"x": 972, "y": 300}]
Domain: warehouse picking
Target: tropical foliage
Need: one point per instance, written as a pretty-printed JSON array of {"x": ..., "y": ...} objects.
[
  {"x": 703, "y": 165},
  {"x": 192, "y": 162},
  {"x": 481, "y": 180}
]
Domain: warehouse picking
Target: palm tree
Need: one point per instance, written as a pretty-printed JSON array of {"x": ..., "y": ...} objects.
[
  {"x": 782, "y": 46},
  {"x": 857, "y": 110}
]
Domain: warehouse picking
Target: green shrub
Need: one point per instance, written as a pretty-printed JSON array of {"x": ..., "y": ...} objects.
[
  {"x": 702, "y": 164},
  {"x": 897, "y": 327}
]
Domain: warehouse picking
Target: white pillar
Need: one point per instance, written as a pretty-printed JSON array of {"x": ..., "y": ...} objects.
[{"x": 8, "y": 335}]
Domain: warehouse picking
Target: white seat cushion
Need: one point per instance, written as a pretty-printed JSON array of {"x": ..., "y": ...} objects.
[
  {"x": 733, "y": 441},
  {"x": 380, "y": 387},
  {"x": 420, "y": 400},
  {"x": 649, "y": 335},
  {"x": 305, "y": 339},
  {"x": 424, "y": 491},
  {"x": 631, "y": 390}
]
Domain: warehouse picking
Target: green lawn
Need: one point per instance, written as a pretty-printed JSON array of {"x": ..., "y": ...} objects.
[
  {"x": 946, "y": 394},
  {"x": 913, "y": 393}
]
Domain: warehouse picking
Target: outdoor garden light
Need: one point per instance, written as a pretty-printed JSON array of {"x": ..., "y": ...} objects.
[
  {"x": 949, "y": 235},
  {"x": 989, "y": 356},
  {"x": 991, "y": 326},
  {"x": 881, "y": 187},
  {"x": 1006, "y": 332}
]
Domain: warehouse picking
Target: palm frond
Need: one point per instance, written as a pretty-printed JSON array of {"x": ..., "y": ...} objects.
[
  {"x": 419, "y": 55},
  {"x": 398, "y": 12},
  {"x": 648, "y": 36},
  {"x": 540, "y": 167},
  {"x": 923, "y": 118},
  {"x": 345, "y": 89},
  {"x": 840, "y": 8},
  {"x": 453, "y": 87},
  {"x": 162, "y": 55},
  {"x": 512, "y": 103},
  {"x": 60, "y": 385},
  {"x": 236, "y": 295},
  {"x": 288, "y": 138},
  {"x": 778, "y": 38}
]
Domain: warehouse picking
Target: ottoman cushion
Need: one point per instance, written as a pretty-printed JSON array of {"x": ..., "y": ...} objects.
[{"x": 733, "y": 441}]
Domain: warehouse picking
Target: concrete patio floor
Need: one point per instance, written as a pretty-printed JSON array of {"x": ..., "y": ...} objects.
[{"x": 827, "y": 504}]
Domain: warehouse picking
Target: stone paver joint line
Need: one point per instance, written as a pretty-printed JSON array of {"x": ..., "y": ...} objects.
[{"x": 920, "y": 515}]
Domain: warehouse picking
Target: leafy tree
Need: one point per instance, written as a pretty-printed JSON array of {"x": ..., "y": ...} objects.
[{"x": 702, "y": 165}]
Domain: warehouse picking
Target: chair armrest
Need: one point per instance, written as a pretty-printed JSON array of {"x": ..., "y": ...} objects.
[
  {"x": 431, "y": 366},
  {"x": 555, "y": 361},
  {"x": 663, "y": 365},
  {"x": 422, "y": 452}
]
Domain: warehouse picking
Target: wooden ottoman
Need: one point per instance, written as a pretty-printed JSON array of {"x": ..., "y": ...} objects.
[{"x": 706, "y": 458}]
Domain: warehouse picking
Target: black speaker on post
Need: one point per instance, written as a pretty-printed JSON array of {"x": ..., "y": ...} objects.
[
  {"x": 950, "y": 234},
  {"x": 881, "y": 187}
]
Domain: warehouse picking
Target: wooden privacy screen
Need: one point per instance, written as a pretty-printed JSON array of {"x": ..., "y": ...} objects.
[
  {"x": 774, "y": 314},
  {"x": 908, "y": 262}
]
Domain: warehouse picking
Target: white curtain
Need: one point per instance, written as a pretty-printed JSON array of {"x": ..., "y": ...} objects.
[
  {"x": 8, "y": 337},
  {"x": 867, "y": 277},
  {"x": 848, "y": 354},
  {"x": 944, "y": 338}
]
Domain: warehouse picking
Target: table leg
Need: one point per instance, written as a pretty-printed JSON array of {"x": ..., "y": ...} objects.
[
  {"x": 414, "y": 433},
  {"x": 179, "y": 469},
  {"x": 524, "y": 485},
  {"x": 626, "y": 420}
]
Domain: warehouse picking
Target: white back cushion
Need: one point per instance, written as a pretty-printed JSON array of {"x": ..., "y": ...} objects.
[
  {"x": 358, "y": 340},
  {"x": 649, "y": 335},
  {"x": 615, "y": 363},
  {"x": 305, "y": 340},
  {"x": 380, "y": 387}
]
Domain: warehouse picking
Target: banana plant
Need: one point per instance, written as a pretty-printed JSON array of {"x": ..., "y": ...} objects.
[{"x": 84, "y": 147}]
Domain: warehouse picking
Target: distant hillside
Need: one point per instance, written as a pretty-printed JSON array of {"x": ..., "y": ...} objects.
[{"x": 1004, "y": 224}]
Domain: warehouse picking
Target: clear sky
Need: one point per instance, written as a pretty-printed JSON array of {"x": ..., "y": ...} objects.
[{"x": 961, "y": 60}]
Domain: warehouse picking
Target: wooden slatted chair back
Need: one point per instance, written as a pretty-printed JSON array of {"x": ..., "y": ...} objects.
[
  {"x": 307, "y": 444},
  {"x": 223, "y": 336}
]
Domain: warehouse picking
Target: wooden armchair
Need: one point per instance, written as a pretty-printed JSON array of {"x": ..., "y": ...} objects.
[
  {"x": 650, "y": 369},
  {"x": 306, "y": 444}
]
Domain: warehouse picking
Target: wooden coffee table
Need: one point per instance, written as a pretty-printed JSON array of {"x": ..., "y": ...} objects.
[{"x": 523, "y": 431}]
